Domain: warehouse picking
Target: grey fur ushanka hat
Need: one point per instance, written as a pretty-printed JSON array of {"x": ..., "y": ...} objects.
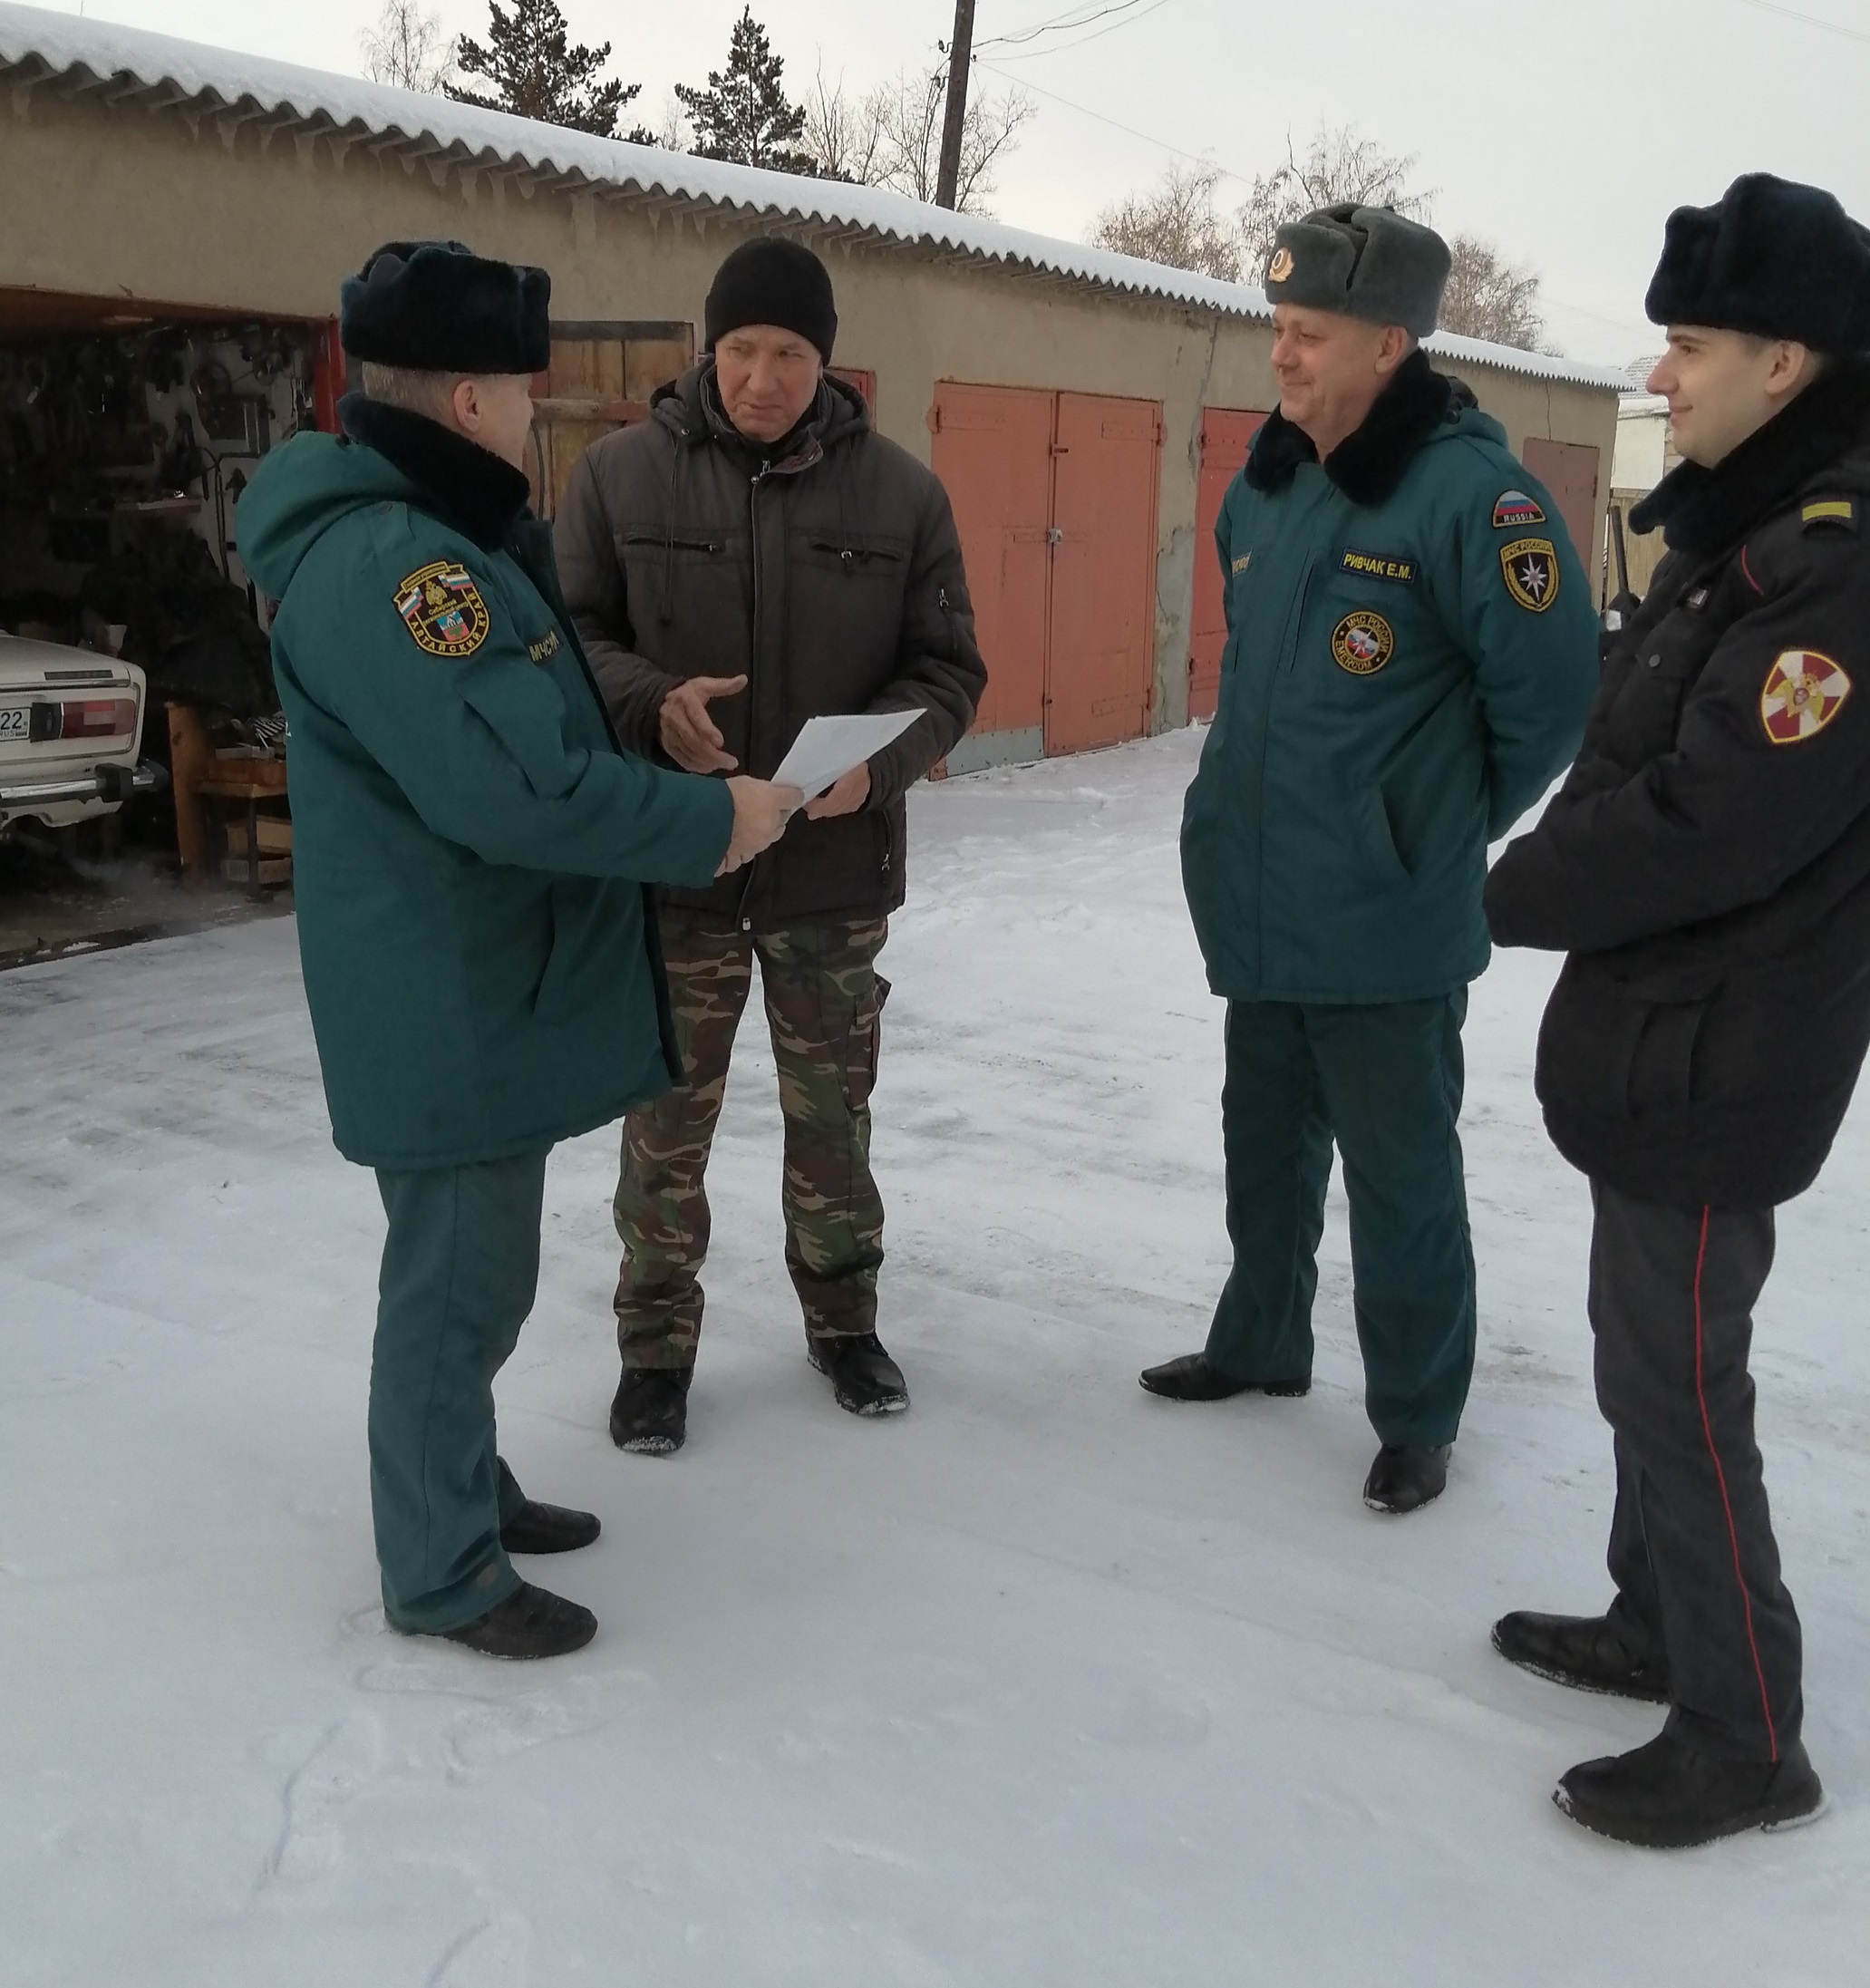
[{"x": 1367, "y": 262}]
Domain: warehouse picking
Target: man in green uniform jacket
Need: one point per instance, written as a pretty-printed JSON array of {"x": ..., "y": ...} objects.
[
  {"x": 472, "y": 852},
  {"x": 1411, "y": 651}
]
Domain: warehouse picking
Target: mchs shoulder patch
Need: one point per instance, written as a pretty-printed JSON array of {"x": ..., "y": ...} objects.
[
  {"x": 1379, "y": 566},
  {"x": 545, "y": 648},
  {"x": 1515, "y": 511},
  {"x": 1531, "y": 569},
  {"x": 1242, "y": 563},
  {"x": 442, "y": 608}
]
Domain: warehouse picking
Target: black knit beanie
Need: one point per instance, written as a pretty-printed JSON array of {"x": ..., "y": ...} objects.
[
  {"x": 772, "y": 281},
  {"x": 1773, "y": 258}
]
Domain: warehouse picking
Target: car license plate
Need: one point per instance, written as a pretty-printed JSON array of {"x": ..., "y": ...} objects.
[{"x": 15, "y": 720}]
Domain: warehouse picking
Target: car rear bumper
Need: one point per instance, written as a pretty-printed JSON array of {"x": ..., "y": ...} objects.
[{"x": 113, "y": 785}]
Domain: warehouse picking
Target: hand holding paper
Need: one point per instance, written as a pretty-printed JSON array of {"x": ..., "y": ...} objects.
[{"x": 829, "y": 748}]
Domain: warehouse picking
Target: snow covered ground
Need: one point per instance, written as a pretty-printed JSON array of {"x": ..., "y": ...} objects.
[{"x": 1047, "y": 1682}]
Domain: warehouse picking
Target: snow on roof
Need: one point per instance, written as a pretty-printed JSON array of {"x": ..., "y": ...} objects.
[{"x": 36, "y": 46}]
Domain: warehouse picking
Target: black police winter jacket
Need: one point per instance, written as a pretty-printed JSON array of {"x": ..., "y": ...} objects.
[{"x": 1707, "y": 863}]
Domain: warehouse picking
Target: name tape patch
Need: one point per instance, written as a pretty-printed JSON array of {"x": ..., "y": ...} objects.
[
  {"x": 442, "y": 608},
  {"x": 1531, "y": 569},
  {"x": 1363, "y": 643},
  {"x": 1379, "y": 566},
  {"x": 1804, "y": 693},
  {"x": 545, "y": 648}
]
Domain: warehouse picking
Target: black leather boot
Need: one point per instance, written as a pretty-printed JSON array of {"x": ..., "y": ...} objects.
[
  {"x": 864, "y": 1380},
  {"x": 1589, "y": 1653},
  {"x": 650, "y": 1414},
  {"x": 1404, "y": 1478},
  {"x": 1668, "y": 1795},
  {"x": 531, "y": 1622},
  {"x": 548, "y": 1528},
  {"x": 1189, "y": 1377}
]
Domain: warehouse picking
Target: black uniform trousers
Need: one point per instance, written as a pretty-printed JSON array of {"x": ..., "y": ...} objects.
[{"x": 1691, "y": 1550}]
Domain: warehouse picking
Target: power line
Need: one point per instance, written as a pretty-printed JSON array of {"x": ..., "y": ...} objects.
[
  {"x": 1063, "y": 24},
  {"x": 1097, "y": 34},
  {"x": 1129, "y": 130},
  {"x": 1810, "y": 19}
]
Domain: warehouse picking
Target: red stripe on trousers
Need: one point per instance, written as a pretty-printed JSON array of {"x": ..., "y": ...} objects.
[{"x": 1733, "y": 1536}]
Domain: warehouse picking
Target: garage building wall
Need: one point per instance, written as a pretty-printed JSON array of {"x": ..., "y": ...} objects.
[{"x": 119, "y": 201}]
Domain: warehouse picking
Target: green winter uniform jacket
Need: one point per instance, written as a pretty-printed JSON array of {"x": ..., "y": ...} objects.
[
  {"x": 1411, "y": 652},
  {"x": 471, "y": 845}
]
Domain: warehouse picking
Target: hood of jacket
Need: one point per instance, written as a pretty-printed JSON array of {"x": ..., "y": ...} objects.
[
  {"x": 691, "y": 408},
  {"x": 385, "y": 455}
]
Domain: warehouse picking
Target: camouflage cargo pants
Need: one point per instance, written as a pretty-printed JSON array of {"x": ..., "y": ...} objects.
[{"x": 823, "y": 1000}]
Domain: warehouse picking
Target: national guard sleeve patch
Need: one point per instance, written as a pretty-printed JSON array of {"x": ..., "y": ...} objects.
[
  {"x": 1804, "y": 693},
  {"x": 1531, "y": 567},
  {"x": 1379, "y": 566},
  {"x": 1515, "y": 511},
  {"x": 442, "y": 608},
  {"x": 1830, "y": 510}
]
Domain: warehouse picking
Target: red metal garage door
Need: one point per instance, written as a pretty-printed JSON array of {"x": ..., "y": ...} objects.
[
  {"x": 1226, "y": 433},
  {"x": 1104, "y": 582},
  {"x": 1569, "y": 470},
  {"x": 993, "y": 451}
]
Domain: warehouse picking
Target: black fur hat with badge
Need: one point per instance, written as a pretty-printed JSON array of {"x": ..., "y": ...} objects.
[
  {"x": 436, "y": 307},
  {"x": 1367, "y": 262},
  {"x": 1774, "y": 258}
]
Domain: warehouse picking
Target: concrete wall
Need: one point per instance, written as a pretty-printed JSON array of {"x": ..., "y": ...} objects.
[{"x": 122, "y": 202}]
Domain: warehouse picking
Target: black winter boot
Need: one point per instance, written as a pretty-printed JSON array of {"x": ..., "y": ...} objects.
[
  {"x": 1589, "y": 1653},
  {"x": 1189, "y": 1377},
  {"x": 548, "y": 1528},
  {"x": 529, "y": 1623},
  {"x": 650, "y": 1414},
  {"x": 1404, "y": 1479},
  {"x": 1667, "y": 1796},
  {"x": 864, "y": 1378}
]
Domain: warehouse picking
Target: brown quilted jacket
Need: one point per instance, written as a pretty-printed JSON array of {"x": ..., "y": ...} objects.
[{"x": 831, "y": 579}]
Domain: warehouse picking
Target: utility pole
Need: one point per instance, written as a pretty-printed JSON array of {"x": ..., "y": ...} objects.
[{"x": 960, "y": 58}]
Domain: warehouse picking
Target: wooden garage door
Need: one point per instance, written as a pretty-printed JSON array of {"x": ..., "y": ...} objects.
[
  {"x": 1227, "y": 432},
  {"x": 1569, "y": 470},
  {"x": 600, "y": 379},
  {"x": 1103, "y": 581},
  {"x": 993, "y": 451}
]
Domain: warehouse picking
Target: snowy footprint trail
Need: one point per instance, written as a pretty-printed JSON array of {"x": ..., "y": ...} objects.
[{"x": 1046, "y": 1682}]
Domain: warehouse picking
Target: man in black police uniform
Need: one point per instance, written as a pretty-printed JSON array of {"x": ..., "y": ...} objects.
[{"x": 1707, "y": 868}]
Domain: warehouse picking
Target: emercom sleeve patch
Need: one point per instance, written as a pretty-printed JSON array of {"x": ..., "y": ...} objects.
[
  {"x": 1531, "y": 570},
  {"x": 442, "y": 608}
]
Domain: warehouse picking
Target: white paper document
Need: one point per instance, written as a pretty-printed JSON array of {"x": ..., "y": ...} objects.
[{"x": 828, "y": 748}]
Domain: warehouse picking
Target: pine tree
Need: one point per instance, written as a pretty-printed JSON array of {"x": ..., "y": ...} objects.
[
  {"x": 535, "y": 75},
  {"x": 744, "y": 114}
]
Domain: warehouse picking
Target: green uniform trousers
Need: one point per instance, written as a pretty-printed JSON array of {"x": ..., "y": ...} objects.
[
  {"x": 1385, "y": 1081},
  {"x": 460, "y": 1270},
  {"x": 824, "y": 1003}
]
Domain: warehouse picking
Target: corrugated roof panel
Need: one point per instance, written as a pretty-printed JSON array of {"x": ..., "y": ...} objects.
[{"x": 62, "y": 44}]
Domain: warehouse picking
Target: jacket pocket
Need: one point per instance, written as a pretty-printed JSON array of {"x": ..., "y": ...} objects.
[{"x": 1662, "y": 1059}]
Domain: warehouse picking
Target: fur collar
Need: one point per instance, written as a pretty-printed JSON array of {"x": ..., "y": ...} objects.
[
  {"x": 1702, "y": 510},
  {"x": 461, "y": 482},
  {"x": 1369, "y": 464}
]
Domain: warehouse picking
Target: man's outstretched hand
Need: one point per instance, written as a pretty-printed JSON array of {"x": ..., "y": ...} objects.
[
  {"x": 761, "y": 812},
  {"x": 690, "y": 737},
  {"x": 845, "y": 798}
]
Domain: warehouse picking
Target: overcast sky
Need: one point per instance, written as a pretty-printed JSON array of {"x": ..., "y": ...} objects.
[{"x": 1563, "y": 133}]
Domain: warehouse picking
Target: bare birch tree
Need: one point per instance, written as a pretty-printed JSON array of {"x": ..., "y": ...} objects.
[
  {"x": 408, "y": 49},
  {"x": 1488, "y": 298},
  {"x": 1173, "y": 222}
]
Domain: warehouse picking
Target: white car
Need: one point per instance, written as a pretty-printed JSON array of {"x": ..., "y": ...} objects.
[{"x": 71, "y": 725}]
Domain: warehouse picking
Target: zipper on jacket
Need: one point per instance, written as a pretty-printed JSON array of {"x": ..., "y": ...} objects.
[{"x": 753, "y": 670}]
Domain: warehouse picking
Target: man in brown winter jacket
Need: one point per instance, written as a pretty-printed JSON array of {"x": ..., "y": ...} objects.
[{"x": 754, "y": 556}]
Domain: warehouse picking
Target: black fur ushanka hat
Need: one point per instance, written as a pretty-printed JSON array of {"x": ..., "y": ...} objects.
[
  {"x": 436, "y": 307},
  {"x": 1773, "y": 258}
]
